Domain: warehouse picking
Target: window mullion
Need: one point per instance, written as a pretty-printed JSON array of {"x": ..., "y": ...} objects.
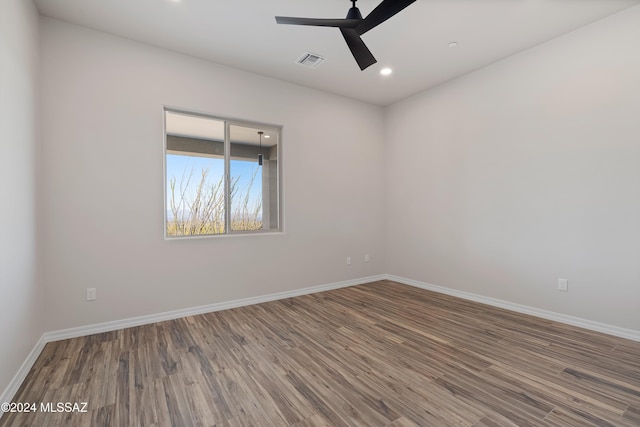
[{"x": 227, "y": 177}]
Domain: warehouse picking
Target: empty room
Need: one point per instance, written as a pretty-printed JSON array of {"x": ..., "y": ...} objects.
[{"x": 322, "y": 213}]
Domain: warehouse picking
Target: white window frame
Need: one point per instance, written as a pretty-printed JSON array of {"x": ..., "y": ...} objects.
[{"x": 228, "y": 122}]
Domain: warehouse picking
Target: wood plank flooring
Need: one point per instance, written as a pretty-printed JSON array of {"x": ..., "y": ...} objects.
[{"x": 381, "y": 354}]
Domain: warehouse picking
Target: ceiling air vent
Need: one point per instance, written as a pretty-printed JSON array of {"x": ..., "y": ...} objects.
[{"x": 311, "y": 60}]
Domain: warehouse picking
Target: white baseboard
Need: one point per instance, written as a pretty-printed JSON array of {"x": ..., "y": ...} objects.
[
  {"x": 544, "y": 314},
  {"x": 209, "y": 308},
  {"x": 18, "y": 378}
]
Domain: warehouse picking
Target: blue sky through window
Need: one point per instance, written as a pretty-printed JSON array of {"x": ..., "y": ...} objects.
[{"x": 180, "y": 166}]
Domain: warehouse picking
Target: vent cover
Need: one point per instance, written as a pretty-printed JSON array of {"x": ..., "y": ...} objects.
[{"x": 311, "y": 60}]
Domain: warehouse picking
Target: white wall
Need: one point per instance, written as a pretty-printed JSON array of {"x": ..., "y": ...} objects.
[
  {"x": 20, "y": 293},
  {"x": 525, "y": 171},
  {"x": 103, "y": 98}
]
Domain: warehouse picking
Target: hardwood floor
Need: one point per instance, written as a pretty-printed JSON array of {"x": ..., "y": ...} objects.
[{"x": 382, "y": 354}]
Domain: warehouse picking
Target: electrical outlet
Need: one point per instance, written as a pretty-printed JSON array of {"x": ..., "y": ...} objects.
[
  {"x": 348, "y": 260},
  {"x": 91, "y": 294},
  {"x": 366, "y": 258},
  {"x": 563, "y": 285}
]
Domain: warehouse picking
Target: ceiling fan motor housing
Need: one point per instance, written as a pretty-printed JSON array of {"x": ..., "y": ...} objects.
[{"x": 354, "y": 13}]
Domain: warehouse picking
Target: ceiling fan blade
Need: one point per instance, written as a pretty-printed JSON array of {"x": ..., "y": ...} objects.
[
  {"x": 381, "y": 13},
  {"x": 341, "y": 23},
  {"x": 360, "y": 51}
]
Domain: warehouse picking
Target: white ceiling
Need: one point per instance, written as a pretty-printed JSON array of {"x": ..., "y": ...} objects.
[{"x": 244, "y": 34}]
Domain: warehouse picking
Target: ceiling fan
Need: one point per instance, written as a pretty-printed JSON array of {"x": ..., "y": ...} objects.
[{"x": 353, "y": 26}]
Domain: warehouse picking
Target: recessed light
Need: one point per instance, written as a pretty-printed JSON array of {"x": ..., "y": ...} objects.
[
  {"x": 453, "y": 44},
  {"x": 267, "y": 136},
  {"x": 386, "y": 71}
]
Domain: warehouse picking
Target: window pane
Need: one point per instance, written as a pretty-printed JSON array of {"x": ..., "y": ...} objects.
[
  {"x": 195, "y": 190},
  {"x": 245, "y": 179},
  {"x": 246, "y": 195},
  {"x": 254, "y": 178}
]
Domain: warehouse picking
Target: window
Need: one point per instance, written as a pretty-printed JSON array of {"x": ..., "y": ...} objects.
[{"x": 221, "y": 176}]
